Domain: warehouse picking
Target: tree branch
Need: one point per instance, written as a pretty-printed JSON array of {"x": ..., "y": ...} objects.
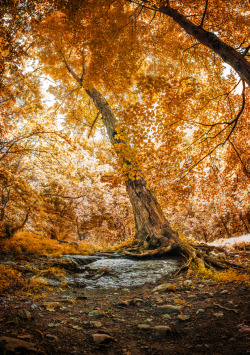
[
  {"x": 204, "y": 14},
  {"x": 209, "y": 39},
  {"x": 94, "y": 122}
]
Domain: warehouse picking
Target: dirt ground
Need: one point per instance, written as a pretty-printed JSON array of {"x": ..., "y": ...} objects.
[{"x": 205, "y": 318}]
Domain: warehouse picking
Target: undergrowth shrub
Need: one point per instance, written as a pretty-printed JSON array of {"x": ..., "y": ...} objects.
[
  {"x": 10, "y": 279},
  {"x": 25, "y": 242}
]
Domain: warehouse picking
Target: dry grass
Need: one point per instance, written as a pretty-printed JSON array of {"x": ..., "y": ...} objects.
[
  {"x": 28, "y": 243},
  {"x": 229, "y": 275},
  {"x": 12, "y": 281}
]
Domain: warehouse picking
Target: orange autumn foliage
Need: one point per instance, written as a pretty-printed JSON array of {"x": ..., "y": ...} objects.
[{"x": 182, "y": 119}]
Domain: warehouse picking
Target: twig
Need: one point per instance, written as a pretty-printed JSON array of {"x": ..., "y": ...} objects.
[
  {"x": 227, "y": 309},
  {"x": 204, "y": 14},
  {"x": 94, "y": 122}
]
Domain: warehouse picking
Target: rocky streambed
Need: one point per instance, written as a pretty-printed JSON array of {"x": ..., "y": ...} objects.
[{"x": 115, "y": 271}]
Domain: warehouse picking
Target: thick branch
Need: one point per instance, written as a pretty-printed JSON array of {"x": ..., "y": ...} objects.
[{"x": 229, "y": 55}]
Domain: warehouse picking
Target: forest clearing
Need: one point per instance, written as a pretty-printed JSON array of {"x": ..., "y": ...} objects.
[{"x": 124, "y": 176}]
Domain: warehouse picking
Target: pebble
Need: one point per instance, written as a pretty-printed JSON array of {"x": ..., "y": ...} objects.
[
  {"x": 23, "y": 314},
  {"x": 188, "y": 283},
  {"x": 95, "y": 313},
  {"x": 165, "y": 287},
  {"x": 219, "y": 314},
  {"x": 166, "y": 316},
  {"x": 200, "y": 310},
  {"x": 170, "y": 309},
  {"x": 51, "y": 337},
  {"x": 162, "y": 329},
  {"x": 102, "y": 338},
  {"x": 95, "y": 323}
]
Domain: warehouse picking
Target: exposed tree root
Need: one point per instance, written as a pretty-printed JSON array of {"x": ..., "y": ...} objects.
[
  {"x": 155, "y": 252},
  {"x": 194, "y": 256}
]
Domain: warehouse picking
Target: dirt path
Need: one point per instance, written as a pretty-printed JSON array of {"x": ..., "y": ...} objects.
[{"x": 187, "y": 317}]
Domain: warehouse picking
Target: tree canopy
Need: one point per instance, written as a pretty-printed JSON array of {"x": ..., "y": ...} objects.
[{"x": 140, "y": 90}]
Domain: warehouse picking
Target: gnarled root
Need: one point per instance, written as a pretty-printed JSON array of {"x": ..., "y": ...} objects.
[
  {"x": 193, "y": 254},
  {"x": 155, "y": 252}
]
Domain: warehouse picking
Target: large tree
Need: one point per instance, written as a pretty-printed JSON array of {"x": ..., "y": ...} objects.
[{"x": 92, "y": 47}]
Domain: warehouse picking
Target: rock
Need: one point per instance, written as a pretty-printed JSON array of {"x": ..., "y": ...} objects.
[
  {"x": 183, "y": 317},
  {"x": 143, "y": 326},
  {"x": 165, "y": 287},
  {"x": 166, "y": 316},
  {"x": 123, "y": 304},
  {"x": 200, "y": 310},
  {"x": 219, "y": 314},
  {"x": 16, "y": 346},
  {"x": 102, "y": 338},
  {"x": 159, "y": 300},
  {"x": 209, "y": 294},
  {"x": 23, "y": 314},
  {"x": 95, "y": 313},
  {"x": 96, "y": 324},
  {"x": 188, "y": 283},
  {"x": 170, "y": 309},
  {"x": 51, "y": 337},
  {"x": 162, "y": 329}
]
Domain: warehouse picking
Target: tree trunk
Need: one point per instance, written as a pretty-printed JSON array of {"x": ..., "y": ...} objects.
[
  {"x": 150, "y": 221},
  {"x": 153, "y": 231}
]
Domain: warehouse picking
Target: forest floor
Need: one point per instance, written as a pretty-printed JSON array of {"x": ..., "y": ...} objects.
[{"x": 180, "y": 314}]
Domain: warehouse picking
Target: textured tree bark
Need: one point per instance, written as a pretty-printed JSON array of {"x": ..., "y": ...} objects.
[{"x": 152, "y": 230}]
